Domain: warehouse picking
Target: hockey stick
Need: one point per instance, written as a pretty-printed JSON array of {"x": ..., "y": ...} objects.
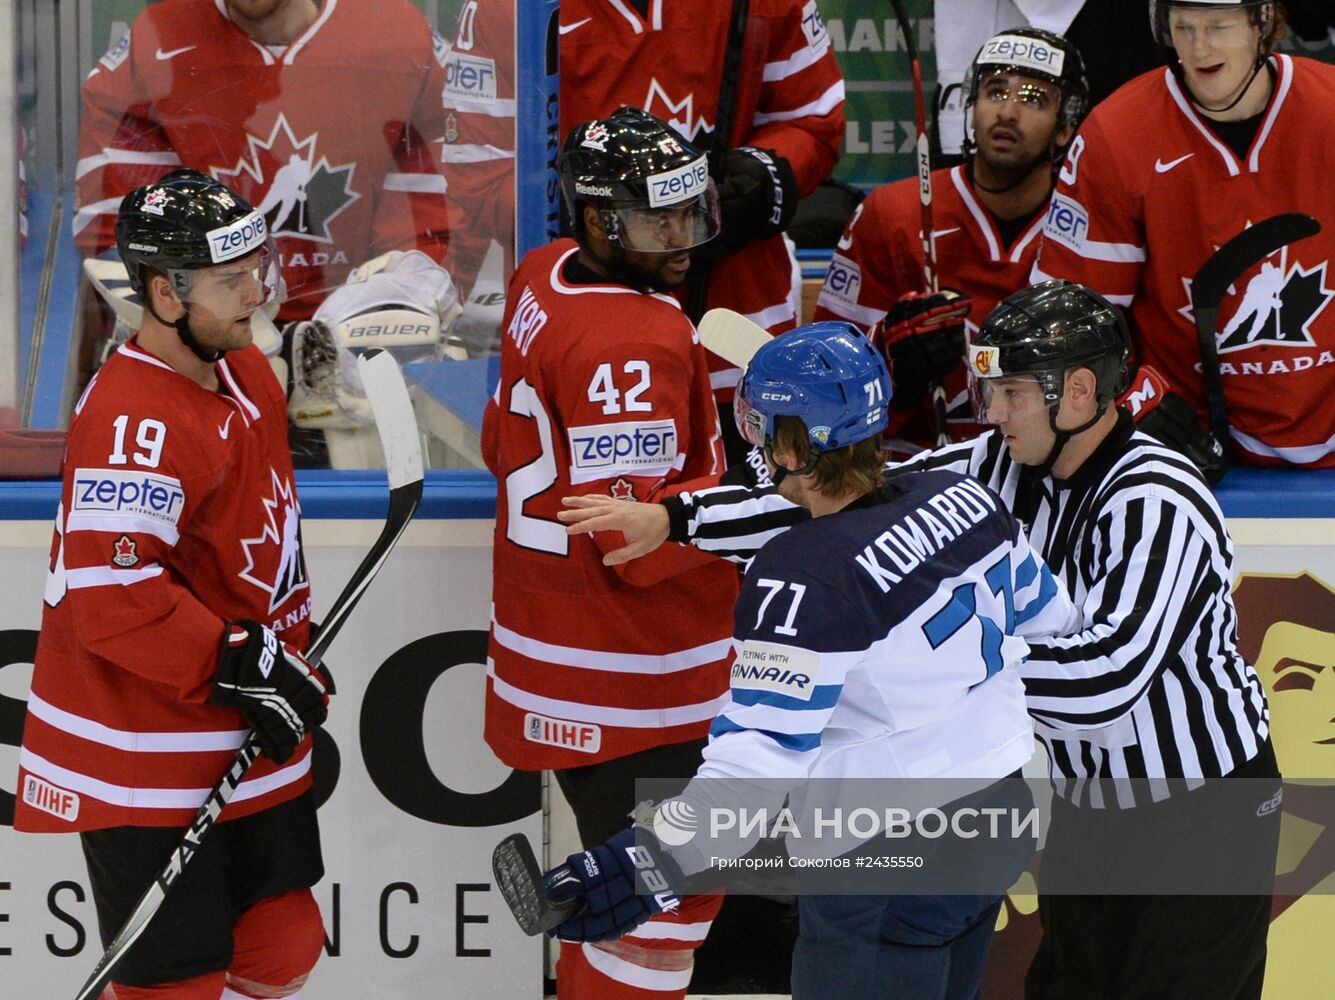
[
  {"x": 1229, "y": 263},
  {"x": 723, "y": 119},
  {"x": 397, "y": 425},
  {"x": 923, "y": 156},
  {"x": 519, "y": 880},
  {"x": 732, "y": 336}
]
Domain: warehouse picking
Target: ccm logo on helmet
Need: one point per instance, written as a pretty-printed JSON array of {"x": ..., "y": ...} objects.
[
  {"x": 238, "y": 239},
  {"x": 677, "y": 185},
  {"x": 1030, "y": 53}
]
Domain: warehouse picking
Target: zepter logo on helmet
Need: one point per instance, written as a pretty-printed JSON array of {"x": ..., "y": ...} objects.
[
  {"x": 650, "y": 187},
  {"x": 1033, "y": 53}
]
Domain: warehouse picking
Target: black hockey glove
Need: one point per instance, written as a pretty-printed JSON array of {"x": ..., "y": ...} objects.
[
  {"x": 622, "y": 884},
  {"x": 1169, "y": 418},
  {"x": 272, "y": 685},
  {"x": 922, "y": 337},
  {"x": 757, "y": 197}
]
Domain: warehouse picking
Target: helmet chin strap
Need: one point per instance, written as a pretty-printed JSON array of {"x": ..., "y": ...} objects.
[
  {"x": 182, "y": 328},
  {"x": 1065, "y": 435},
  {"x": 1261, "y": 60},
  {"x": 780, "y": 472}
]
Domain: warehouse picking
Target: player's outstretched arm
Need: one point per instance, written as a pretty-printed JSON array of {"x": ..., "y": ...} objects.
[{"x": 645, "y": 525}]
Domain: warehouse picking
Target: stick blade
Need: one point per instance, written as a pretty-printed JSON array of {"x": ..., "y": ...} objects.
[
  {"x": 520, "y": 882},
  {"x": 1243, "y": 252},
  {"x": 394, "y": 417},
  {"x": 732, "y": 336}
]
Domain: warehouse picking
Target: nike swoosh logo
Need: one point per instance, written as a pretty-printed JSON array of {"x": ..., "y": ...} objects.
[
  {"x": 1162, "y": 168},
  {"x": 566, "y": 29},
  {"x": 226, "y": 428},
  {"x": 944, "y": 232},
  {"x": 164, "y": 56}
]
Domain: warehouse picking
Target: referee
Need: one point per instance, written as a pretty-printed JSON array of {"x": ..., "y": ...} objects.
[{"x": 1138, "y": 710}]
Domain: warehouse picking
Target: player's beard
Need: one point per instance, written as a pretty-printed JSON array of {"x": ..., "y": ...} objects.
[
  {"x": 658, "y": 272},
  {"x": 1009, "y": 169}
]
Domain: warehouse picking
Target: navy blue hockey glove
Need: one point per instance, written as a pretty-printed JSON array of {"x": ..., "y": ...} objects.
[
  {"x": 271, "y": 684},
  {"x": 1167, "y": 417},
  {"x": 922, "y": 337},
  {"x": 609, "y": 879},
  {"x": 757, "y": 197}
]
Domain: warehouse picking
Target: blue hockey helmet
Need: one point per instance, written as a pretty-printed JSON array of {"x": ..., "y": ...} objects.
[{"x": 827, "y": 374}]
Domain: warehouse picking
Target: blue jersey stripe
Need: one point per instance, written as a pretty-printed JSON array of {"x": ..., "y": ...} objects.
[{"x": 799, "y": 743}]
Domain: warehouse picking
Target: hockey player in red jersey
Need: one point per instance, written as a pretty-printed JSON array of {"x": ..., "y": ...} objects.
[
  {"x": 604, "y": 676},
  {"x": 176, "y": 601},
  {"x": 1172, "y": 166},
  {"x": 787, "y": 122},
  {"x": 244, "y": 90},
  {"x": 1025, "y": 97}
]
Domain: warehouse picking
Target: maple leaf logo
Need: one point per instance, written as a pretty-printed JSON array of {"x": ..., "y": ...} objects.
[
  {"x": 277, "y": 548},
  {"x": 622, "y": 489},
  {"x": 679, "y": 114},
  {"x": 125, "y": 552},
  {"x": 297, "y": 192}
]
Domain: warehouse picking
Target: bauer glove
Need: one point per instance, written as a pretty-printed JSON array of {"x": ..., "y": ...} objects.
[
  {"x": 622, "y": 882},
  {"x": 271, "y": 684}
]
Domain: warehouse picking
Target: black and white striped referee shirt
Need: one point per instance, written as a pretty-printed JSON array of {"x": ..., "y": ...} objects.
[{"x": 1152, "y": 686}]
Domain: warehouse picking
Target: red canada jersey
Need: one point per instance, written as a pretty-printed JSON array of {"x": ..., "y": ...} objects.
[
  {"x": 669, "y": 61},
  {"x": 178, "y": 511},
  {"x": 879, "y": 258},
  {"x": 1137, "y": 212},
  {"x": 334, "y": 138},
  {"x": 603, "y": 389}
]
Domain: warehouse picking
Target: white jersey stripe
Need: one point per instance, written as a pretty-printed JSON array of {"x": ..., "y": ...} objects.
[
  {"x": 416, "y": 183},
  {"x": 157, "y": 798},
  {"x": 620, "y": 663},
  {"x": 474, "y": 153},
  {"x": 129, "y": 741},
  {"x": 124, "y": 523},
  {"x": 605, "y": 715},
  {"x": 801, "y": 59},
  {"x": 110, "y": 155},
  {"x": 105, "y": 576},
  {"x": 620, "y": 971},
  {"x": 820, "y": 107}
]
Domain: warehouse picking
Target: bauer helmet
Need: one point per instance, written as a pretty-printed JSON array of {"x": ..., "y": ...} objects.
[
  {"x": 1034, "y": 53},
  {"x": 829, "y": 375},
  {"x": 651, "y": 187}
]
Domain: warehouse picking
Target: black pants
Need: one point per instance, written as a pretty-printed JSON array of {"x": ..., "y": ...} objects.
[{"x": 1152, "y": 947}]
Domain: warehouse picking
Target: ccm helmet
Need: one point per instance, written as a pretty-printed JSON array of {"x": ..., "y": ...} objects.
[
  {"x": 184, "y": 223},
  {"x": 1034, "y": 53},
  {"x": 651, "y": 187},
  {"x": 828, "y": 374}
]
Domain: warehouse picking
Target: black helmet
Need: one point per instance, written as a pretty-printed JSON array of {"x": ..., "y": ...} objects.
[
  {"x": 1035, "y": 53},
  {"x": 1046, "y": 330},
  {"x": 629, "y": 166},
  {"x": 184, "y": 222}
]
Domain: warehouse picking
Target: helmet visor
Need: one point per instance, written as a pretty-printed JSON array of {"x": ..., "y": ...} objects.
[
  {"x": 997, "y": 400},
  {"x": 231, "y": 290},
  {"x": 669, "y": 229}
]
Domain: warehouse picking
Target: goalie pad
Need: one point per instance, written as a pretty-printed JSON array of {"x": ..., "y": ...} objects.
[{"x": 404, "y": 303}]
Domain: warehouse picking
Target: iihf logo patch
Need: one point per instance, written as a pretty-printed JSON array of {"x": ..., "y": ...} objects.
[{"x": 125, "y": 554}]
